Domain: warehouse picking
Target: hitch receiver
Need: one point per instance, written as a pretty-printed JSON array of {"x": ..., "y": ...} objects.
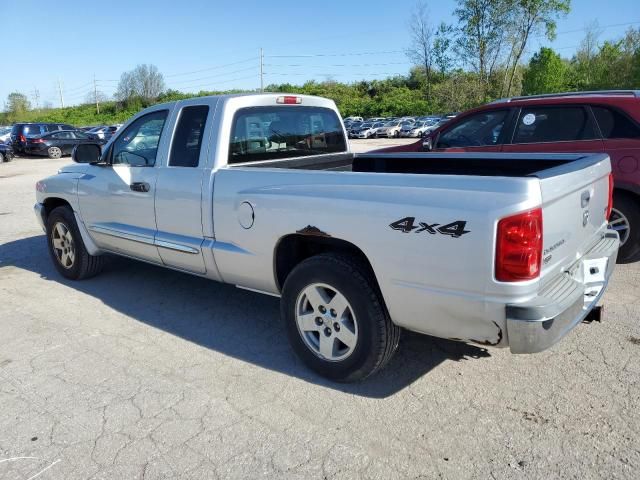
[{"x": 595, "y": 314}]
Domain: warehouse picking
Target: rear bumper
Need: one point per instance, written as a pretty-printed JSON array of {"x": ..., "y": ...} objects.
[{"x": 538, "y": 324}]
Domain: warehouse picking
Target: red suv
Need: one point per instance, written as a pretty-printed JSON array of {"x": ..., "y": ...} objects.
[{"x": 603, "y": 121}]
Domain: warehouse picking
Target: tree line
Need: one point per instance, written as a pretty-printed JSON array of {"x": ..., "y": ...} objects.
[{"x": 456, "y": 66}]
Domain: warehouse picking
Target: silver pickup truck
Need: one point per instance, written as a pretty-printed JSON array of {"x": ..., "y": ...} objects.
[{"x": 262, "y": 191}]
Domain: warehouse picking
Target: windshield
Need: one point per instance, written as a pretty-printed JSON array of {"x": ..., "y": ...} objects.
[{"x": 275, "y": 132}]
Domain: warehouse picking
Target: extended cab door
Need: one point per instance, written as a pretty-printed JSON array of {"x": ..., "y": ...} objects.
[
  {"x": 182, "y": 179},
  {"x": 116, "y": 197},
  {"x": 554, "y": 129},
  {"x": 478, "y": 132}
]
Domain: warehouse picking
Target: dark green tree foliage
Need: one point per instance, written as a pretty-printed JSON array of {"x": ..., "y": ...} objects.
[{"x": 546, "y": 73}]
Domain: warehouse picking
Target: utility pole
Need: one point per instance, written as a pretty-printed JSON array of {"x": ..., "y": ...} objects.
[
  {"x": 261, "y": 70},
  {"x": 95, "y": 94},
  {"x": 36, "y": 96},
  {"x": 60, "y": 90}
]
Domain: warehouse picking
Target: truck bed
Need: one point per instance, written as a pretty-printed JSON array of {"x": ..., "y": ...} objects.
[{"x": 471, "y": 164}]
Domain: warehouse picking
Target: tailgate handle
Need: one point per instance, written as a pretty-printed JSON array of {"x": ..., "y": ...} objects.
[{"x": 584, "y": 200}]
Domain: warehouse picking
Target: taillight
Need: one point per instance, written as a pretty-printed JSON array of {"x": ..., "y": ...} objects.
[
  {"x": 37, "y": 140},
  {"x": 23, "y": 138},
  {"x": 289, "y": 100},
  {"x": 607, "y": 213},
  {"x": 519, "y": 247}
]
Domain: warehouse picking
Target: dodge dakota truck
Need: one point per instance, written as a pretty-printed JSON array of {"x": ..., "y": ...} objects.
[{"x": 263, "y": 192}]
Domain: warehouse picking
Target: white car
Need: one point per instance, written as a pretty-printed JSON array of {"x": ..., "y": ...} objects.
[
  {"x": 5, "y": 135},
  {"x": 368, "y": 130}
]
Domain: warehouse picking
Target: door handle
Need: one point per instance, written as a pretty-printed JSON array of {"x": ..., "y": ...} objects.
[{"x": 140, "y": 187}]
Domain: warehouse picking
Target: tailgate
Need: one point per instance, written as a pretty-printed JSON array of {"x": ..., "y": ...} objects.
[{"x": 574, "y": 203}]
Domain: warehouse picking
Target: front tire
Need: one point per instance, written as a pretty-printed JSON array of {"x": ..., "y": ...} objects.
[
  {"x": 625, "y": 218},
  {"x": 66, "y": 248},
  {"x": 336, "y": 320}
]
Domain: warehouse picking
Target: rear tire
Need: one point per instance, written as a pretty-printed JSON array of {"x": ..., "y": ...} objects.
[
  {"x": 371, "y": 338},
  {"x": 627, "y": 213},
  {"x": 66, "y": 248},
  {"x": 54, "y": 152}
]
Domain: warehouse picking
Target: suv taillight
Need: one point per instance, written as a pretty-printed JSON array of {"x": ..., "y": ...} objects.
[
  {"x": 22, "y": 138},
  {"x": 610, "y": 203},
  {"x": 519, "y": 247}
]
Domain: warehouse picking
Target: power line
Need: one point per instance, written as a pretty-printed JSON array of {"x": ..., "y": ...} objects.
[
  {"x": 218, "y": 83},
  {"x": 214, "y": 76},
  {"x": 252, "y": 59},
  {"x": 335, "y": 54}
]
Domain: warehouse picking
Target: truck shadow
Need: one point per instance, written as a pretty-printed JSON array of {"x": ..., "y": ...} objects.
[{"x": 237, "y": 323}]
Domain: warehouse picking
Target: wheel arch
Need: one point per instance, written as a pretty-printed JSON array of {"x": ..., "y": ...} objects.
[
  {"x": 51, "y": 203},
  {"x": 294, "y": 248}
]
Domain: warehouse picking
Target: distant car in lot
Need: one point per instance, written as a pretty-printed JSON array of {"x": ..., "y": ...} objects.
[
  {"x": 57, "y": 144},
  {"x": 104, "y": 132},
  {"x": 6, "y": 152},
  {"x": 390, "y": 129},
  {"x": 353, "y": 119},
  {"x": 596, "y": 122},
  {"x": 5, "y": 134},
  {"x": 366, "y": 130},
  {"x": 417, "y": 129},
  {"x": 21, "y": 131}
]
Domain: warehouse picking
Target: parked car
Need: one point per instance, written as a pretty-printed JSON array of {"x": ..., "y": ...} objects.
[
  {"x": 366, "y": 130},
  {"x": 57, "y": 144},
  {"x": 104, "y": 132},
  {"x": 390, "y": 129},
  {"x": 417, "y": 129},
  {"x": 353, "y": 119},
  {"x": 594, "y": 122},
  {"x": 21, "y": 131},
  {"x": 6, "y": 152},
  {"x": 5, "y": 135},
  {"x": 356, "y": 246}
]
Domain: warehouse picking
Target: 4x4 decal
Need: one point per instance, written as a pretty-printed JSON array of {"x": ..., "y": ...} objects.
[{"x": 408, "y": 224}]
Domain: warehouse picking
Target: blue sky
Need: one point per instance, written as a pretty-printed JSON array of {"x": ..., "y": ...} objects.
[{"x": 215, "y": 45}]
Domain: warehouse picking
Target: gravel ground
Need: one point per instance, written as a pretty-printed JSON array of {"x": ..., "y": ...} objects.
[{"x": 148, "y": 373}]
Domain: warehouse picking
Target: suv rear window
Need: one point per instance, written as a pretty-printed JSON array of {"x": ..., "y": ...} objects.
[
  {"x": 613, "y": 124},
  {"x": 553, "y": 124},
  {"x": 31, "y": 130},
  {"x": 270, "y": 133}
]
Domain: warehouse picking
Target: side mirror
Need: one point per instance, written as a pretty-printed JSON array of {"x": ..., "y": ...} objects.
[
  {"x": 86, "y": 153},
  {"x": 427, "y": 144}
]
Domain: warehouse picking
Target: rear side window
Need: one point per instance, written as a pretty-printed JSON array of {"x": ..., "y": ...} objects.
[
  {"x": 270, "y": 133},
  {"x": 554, "y": 124},
  {"x": 187, "y": 141},
  {"x": 613, "y": 124},
  {"x": 52, "y": 128}
]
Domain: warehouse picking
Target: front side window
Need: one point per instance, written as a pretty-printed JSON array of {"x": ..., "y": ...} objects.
[
  {"x": 613, "y": 124},
  {"x": 187, "y": 140},
  {"x": 137, "y": 146},
  {"x": 480, "y": 129},
  {"x": 270, "y": 133},
  {"x": 80, "y": 135},
  {"x": 553, "y": 124}
]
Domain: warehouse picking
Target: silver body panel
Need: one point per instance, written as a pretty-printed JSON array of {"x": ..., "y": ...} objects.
[{"x": 191, "y": 220}]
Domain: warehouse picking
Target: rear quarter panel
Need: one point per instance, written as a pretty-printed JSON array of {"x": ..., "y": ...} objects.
[{"x": 431, "y": 282}]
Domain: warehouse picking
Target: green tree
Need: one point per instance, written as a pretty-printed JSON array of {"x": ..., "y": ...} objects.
[
  {"x": 545, "y": 73},
  {"x": 17, "y": 105},
  {"x": 422, "y": 37},
  {"x": 442, "y": 44},
  {"x": 144, "y": 81},
  {"x": 481, "y": 31},
  {"x": 527, "y": 18}
]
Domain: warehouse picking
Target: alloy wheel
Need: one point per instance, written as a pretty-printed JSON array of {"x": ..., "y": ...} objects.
[
  {"x": 619, "y": 222},
  {"x": 63, "y": 245},
  {"x": 326, "y": 322}
]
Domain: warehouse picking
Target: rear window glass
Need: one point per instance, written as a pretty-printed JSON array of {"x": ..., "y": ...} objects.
[
  {"x": 559, "y": 124},
  {"x": 613, "y": 124},
  {"x": 31, "y": 130},
  {"x": 270, "y": 133}
]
